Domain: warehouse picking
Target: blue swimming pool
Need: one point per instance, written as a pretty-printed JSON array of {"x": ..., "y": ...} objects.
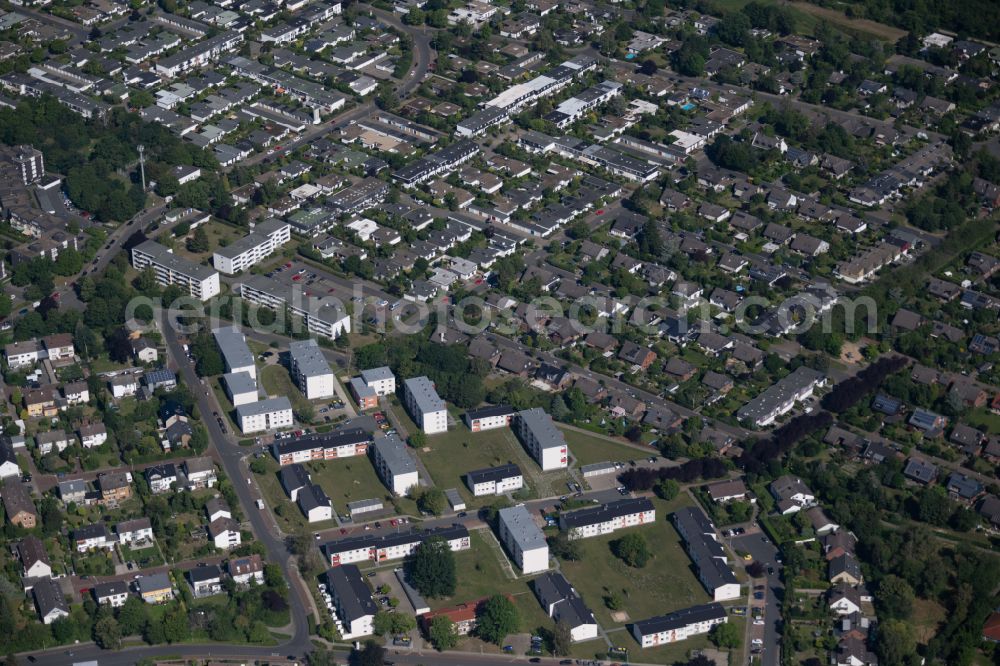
[{"x": 688, "y": 106}]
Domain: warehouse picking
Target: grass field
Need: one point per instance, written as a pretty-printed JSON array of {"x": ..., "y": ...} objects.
[
  {"x": 588, "y": 449},
  {"x": 808, "y": 17},
  {"x": 458, "y": 451},
  {"x": 667, "y": 583},
  {"x": 481, "y": 574},
  {"x": 277, "y": 382}
]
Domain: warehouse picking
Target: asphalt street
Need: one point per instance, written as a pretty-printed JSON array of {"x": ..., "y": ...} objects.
[{"x": 764, "y": 551}]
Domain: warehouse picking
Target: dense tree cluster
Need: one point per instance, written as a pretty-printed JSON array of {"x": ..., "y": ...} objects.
[
  {"x": 98, "y": 158},
  {"x": 458, "y": 378},
  {"x": 644, "y": 478},
  {"x": 849, "y": 392}
]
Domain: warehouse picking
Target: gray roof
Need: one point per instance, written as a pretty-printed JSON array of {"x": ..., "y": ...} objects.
[
  {"x": 375, "y": 374},
  {"x": 233, "y": 346},
  {"x": 239, "y": 383},
  {"x": 541, "y": 426},
  {"x": 393, "y": 451},
  {"x": 311, "y": 497},
  {"x": 681, "y": 618},
  {"x": 308, "y": 358},
  {"x": 778, "y": 393},
  {"x": 256, "y": 237},
  {"x": 601, "y": 514},
  {"x": 49, "y": 597},
  {"x": 354, "y": 599},
  {"x": 154, "y": 582},
  {"x": 164, "y": 257},
  {"x": 708, "y": 555},
  {"x": 424, "y": 394},
  {"x": 493, "y": 473},
  {"x": 522, "y": 528},
  {"x": 263, "y": 406}
]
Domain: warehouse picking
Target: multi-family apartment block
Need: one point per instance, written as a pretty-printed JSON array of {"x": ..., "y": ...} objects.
[
  {"x": 424, "y": 405},
  {"x": 394, "y": 464},
  {"x": 488, "y": 418},
  {"x": 310, "y": 370},
  {"x": 392, "y": 546},
  {"x": 495, "y": 480},
  {"x": 607, "y": 518},
  {"x": 200, "y": 281},
  {"x": 542, "y": 439},
  {"x": 322, "y": 446},
  {"x": 523, "y": 539},
  {"x": 253, "y": 248}
]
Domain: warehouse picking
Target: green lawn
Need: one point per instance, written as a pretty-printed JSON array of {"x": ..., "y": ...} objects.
[
  {"x": 277, "y": 382},
  {"x": 589, "y": 449},
  {"x": 667, "y": 583},
  {"x": 985, "y": 419},
  {"x": 481, "y": 574},
  {"x": 450, "y": 455}
]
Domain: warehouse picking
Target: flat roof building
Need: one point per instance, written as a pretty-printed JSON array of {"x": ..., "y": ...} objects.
[
  {"x": 425, "y": 405},
  {"x": 542, "y": 439},
  {"x": 394, "y": 464},
  {"x": 523, "y": 539},
  {"x": 253, "y": 248},
  {"x": 200, "y": 281},
  {"x": 235, "y": 352},
  {"x": 311, "y": 370}
]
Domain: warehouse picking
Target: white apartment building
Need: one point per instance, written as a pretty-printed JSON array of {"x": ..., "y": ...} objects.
[
  {"x": 381, "y": 380},
  {"x": 678, "y": 625},
  {"x": 391, "y": 546},
  {"x": 322, "y": 446},
  {"x": 523, "y": 539},
  {"x": 607, "y": 518},
  {"x": 322, "y": 316},
  {"x": 311, "y": 370},
  {"x": 201, "y": 282},
  {"x": 240, "y": 388},
  {"x": 394, "y": 464},
  {"x": 235, "y": 352},
  {"x": 495, "y": 480},
  {"x": 425, "y": 406},
  {"x": 489, "y": 418},
  {"x": 269, "y": 414},
  {"x": 253, "y": 248},
  {"x": 542, "y": 439},
  {"x": 352, "y": 599},
  {"x": 781, "y": 397}
]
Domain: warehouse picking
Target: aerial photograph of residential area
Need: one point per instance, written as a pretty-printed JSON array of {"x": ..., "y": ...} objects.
[{"x": 491, "y": 332}]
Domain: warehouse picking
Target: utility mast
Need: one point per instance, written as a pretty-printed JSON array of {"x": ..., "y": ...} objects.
[{"x": 142, "y": 165}]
